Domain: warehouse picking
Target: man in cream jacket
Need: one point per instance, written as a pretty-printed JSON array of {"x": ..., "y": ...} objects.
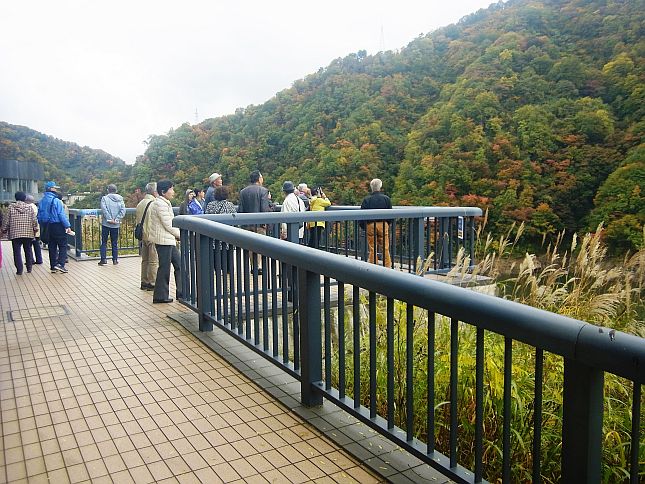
[
  {"x": 149, "y": 260},
  {"x": 165, "y": 237}
]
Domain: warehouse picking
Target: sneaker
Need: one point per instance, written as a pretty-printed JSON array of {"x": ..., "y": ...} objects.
[
  {"x": 103, "y": 263},
  {"x": 60, "y": 268},
  {"x": 53, "y": 271},
  {"x": 115, "y": 262}
]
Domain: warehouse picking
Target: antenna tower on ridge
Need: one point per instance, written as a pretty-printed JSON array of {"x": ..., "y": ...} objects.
[
  {"x": 382, "y": 40},
  {"x": 196, "y": 116}
]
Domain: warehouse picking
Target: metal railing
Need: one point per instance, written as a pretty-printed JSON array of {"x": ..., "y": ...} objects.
[
  {"x": 332, "y": 322},
  {"x": 86, "y": 242},
  {"x": 416, "y": 234}
]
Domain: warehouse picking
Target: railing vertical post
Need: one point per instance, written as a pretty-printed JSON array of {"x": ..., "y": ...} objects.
[
  {"x": 582, "y": 422},
  {"x": 418, "y": 241},
  {"x": 310, "y": 337},
  {"x": 78, "y": 238},
  {"x": 204, "y": 273},
  {"x": 443, "y": 246}
]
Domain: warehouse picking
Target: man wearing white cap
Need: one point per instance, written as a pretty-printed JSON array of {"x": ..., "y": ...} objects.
[{"x": 215, "y": 180}]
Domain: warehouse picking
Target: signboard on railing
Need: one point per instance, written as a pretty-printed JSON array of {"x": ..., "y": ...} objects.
[
  {"x": 90, "y": 213},
  {"x": 460, "y": 228}
]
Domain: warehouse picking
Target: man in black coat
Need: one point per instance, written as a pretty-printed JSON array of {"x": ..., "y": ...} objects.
[{"x": 378, "y": 231}]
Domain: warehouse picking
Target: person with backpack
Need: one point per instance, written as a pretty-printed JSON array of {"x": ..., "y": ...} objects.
[
  {"x": 149, "y": 258},
  {"x": 54, "y": 227}
]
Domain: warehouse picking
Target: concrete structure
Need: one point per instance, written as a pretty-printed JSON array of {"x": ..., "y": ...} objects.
[{"x": 19, "y": 176}]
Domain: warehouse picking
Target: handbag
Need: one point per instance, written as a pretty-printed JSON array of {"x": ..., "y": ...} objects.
[{"x": 138, "y": 229}]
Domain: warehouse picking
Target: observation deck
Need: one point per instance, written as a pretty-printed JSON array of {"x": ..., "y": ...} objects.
[{"x": 98, "y": 384}]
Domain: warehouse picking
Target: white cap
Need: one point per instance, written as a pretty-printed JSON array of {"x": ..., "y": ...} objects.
[{"x": 214, "y": 177}]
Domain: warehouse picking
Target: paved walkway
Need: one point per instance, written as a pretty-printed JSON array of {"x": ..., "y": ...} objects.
[{"x": 98, "y": 384}]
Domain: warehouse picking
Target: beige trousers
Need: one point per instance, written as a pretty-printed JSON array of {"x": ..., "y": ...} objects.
[{"x": 149, "y": 263}]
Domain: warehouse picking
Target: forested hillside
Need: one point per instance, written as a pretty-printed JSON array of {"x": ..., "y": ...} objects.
[
  {"x": 74, "y": 167},
  {"x": 525, "y": 108}
]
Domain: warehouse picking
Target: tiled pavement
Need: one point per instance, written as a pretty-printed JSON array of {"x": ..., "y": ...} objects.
[{"x": 98, "y": 384}]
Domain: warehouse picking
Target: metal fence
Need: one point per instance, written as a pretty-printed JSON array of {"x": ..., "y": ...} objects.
[{"x": 360, "y": 335}]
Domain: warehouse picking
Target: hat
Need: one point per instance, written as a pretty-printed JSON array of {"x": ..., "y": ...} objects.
[
  {"x": 288, "y": 187},
  {"x": 50, "y": 184},
  {"x": 214, "y": 177}
]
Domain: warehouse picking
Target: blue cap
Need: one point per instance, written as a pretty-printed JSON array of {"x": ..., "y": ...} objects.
[{"x": 50, "y": 184}]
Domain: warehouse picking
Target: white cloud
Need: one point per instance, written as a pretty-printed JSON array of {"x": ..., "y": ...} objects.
[{"x": 108, "y": 75}]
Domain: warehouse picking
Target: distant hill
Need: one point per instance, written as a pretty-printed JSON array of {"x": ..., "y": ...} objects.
[{"x": 74, "y": 167}]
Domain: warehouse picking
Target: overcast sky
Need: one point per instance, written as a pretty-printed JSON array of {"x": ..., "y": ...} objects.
[{"x": 110, "y": 74}]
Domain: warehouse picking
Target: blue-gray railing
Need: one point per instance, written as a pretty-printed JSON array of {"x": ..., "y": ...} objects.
[
  {"x": 86, "y": 241},
  {"x": 286, "y": 312},
  {"x": 416, "y": 233}
]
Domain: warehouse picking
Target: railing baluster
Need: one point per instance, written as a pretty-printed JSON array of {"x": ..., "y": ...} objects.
[
  {"x": 479, "y": 404},
  {"x": 256, "y": 302},
  {"x": 225, "y": 292},
  {"x": 265, "y": 303},
  {"x": 274, "y": 307},
  {"x": 218, "y": 278},
  {"x": 240, "y": 270},
  {"x": 341, "y": 340},
  {"x": 431, "y": 396},
  {"x": 247, "y": 295},
  {"x": 327, "y": 310},
  {"x": 409, "y": 372},
  {"x": 506, "y": 429},
  {"x": 356, "y": 330},
  {"x": 390, "y": 363},
  {"x": 295, "y": 303},
  {"x": 635, "y": 433},
  {"x": 372, "y": 336},
  {"x": 454, "y": 345},
  {"x": 285, "y": 314},
  {"x": 537, "y": 415}
]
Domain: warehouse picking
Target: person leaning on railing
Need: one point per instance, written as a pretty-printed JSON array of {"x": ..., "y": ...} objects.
[
  {"x": 318, "y": 203},
  {"x": 377, "y": 231}
]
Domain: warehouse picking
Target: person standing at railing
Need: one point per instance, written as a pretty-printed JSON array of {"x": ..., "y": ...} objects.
[
  {"x": 318, "y": 203},
  {"x": 199, "y": 198},
  {"x": 188, "y": 197},
  {"x": 194, "y": 206},
  {"x": 253, "y": 199},
  {"x": 292, "y": 203},
  {"x": 215, "y": 180},
  {"x": 377, "y": 231},
  {"x": 38, "y": 253},
  {"x": 112, "y": 212},
  {"x": 165, "y": 238},
  {"x": 54, "y": 221},
  {"x": 149, "y": 259},
  {"x": 20, "y": 225}
]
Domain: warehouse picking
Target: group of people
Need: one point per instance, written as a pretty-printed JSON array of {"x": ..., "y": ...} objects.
[
  {"x": 25, "y": 224},
  {"x": 158, "y": 245}
]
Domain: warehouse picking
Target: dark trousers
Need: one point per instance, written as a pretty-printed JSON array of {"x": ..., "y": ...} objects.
[
  {"x": 38, "y": 253},
  {"x": 24, "y": 244},
  {"x": 316, "y": 235},
  {"x": 57, "y": 245},
  {"x": 168, "y": 254},
  {"x": 114, "y": 237}
]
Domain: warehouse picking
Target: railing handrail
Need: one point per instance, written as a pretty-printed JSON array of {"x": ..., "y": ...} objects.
[
  {"x": 339, "y": 215},
  {"x": 605, "y": 349}
]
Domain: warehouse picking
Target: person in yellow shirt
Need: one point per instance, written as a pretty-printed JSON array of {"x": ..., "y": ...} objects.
[{"x": 318, "y": 202}]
